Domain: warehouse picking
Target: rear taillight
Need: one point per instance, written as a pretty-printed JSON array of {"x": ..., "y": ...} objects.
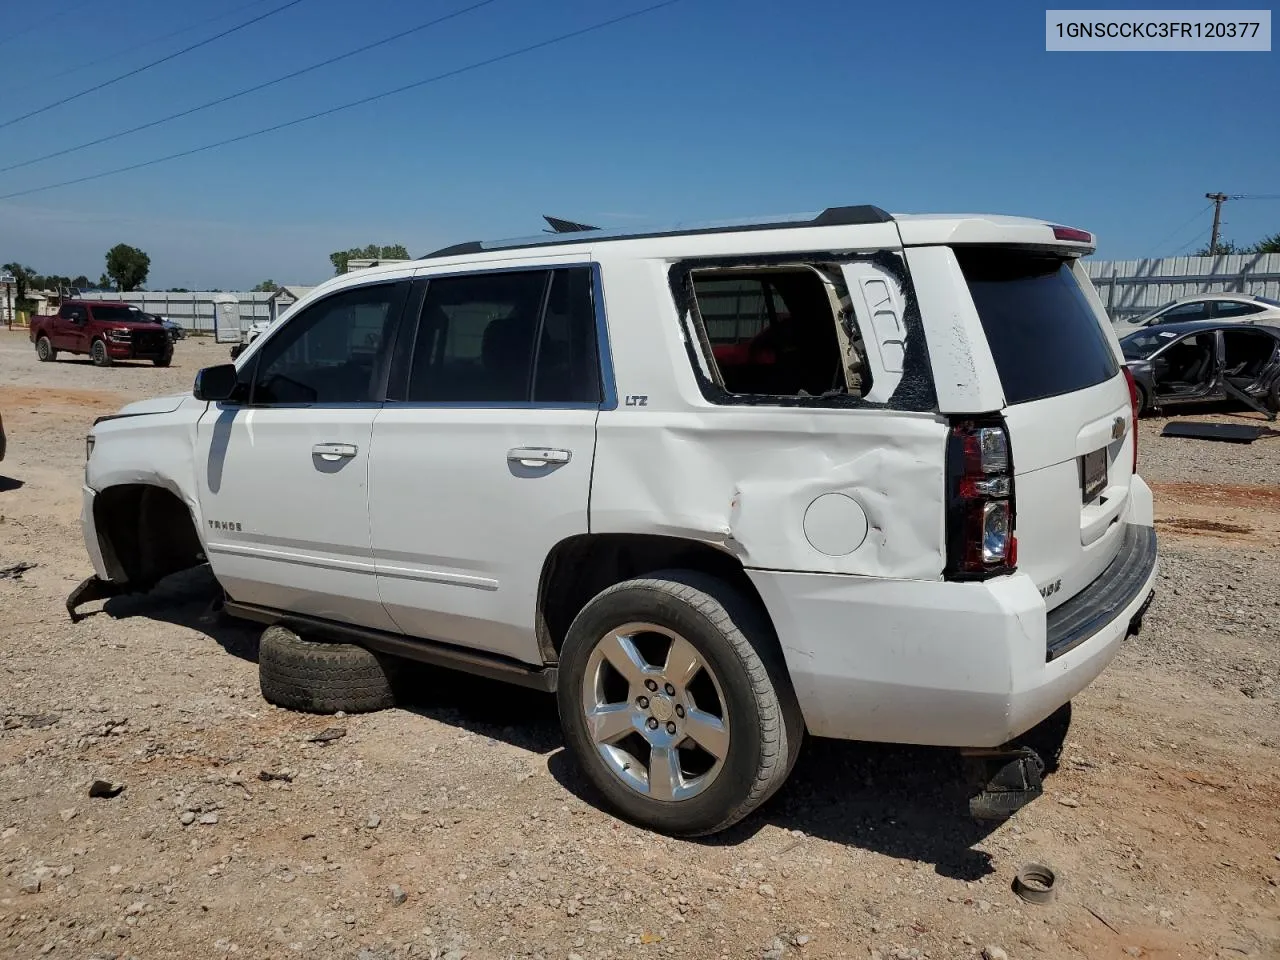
[
  {"x": 1073, "y": 234},
  {"x": 1133, "y": 404},
  {"x": 980, "y": 501}
]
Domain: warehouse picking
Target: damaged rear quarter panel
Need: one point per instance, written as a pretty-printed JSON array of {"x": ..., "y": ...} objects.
[
  {"x": 740, "y": 476},
  {"x": 742, "y": 480}
]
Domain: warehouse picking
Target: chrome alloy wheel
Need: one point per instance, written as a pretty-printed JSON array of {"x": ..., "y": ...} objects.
[{"x": 655, "y": 711}]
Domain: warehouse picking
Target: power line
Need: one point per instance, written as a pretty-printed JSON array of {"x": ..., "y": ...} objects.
[
  {"x": 1199, "y": 236},
  {"x": 248, "y": 90},
  {"x": 153, "y": 63},
  {"x": 40, "y": 23},
  {"x": 1155, "y": 247},
  {"x": 351, "y": 104},
  {"x": 117, "y": 54}
]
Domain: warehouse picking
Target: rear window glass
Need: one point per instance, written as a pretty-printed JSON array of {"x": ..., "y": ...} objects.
[{"x": 1043, "y": 334}]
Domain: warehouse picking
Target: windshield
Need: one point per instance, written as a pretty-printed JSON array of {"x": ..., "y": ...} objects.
[
  {"x": 107, "y": 313},
  {"x": 1268, "y": 300},
  {"x": 1141, "y": 345}
]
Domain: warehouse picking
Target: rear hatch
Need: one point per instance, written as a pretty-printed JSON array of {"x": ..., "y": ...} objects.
[{"x": 1067, "y": 410}]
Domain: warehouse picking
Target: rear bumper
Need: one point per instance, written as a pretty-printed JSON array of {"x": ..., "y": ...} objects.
[
  {"x": 949, "y": 664},
  {"x": 1125, "y": 578}
]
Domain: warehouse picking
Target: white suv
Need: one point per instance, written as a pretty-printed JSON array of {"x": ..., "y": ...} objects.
[{"x": 860, "y": 475}]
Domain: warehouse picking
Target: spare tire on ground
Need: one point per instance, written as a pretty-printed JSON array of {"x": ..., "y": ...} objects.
[{"x": 322, "y": 677}]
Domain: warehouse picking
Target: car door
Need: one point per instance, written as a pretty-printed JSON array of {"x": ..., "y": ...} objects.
[
  {"x": 283, "y": 475},
  {"x": 1186, "y": 368},
  {"x": 482, "y": 462},
  {"x": 1248, "y": 357},
  {"x": 68, "y": 326}
]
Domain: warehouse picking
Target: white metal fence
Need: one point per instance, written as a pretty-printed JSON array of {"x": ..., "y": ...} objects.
[
  {"x": 1134, "y": 287},
  {"x": 193, "y": 310}
]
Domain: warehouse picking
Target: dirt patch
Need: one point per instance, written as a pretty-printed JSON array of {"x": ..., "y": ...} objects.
[
  {"x": 23, "y": 402},
  {"x": 1246, "y": 496},
  {"x": 1188, "y": 525}
]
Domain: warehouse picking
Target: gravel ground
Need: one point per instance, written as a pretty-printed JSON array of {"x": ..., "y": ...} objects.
[
  {"x": 1173, "y": 459},
  {"x": 455, "y": 826}
]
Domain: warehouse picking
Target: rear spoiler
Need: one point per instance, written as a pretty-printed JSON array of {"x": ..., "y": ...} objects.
[{"x": 1036, "y": 235}]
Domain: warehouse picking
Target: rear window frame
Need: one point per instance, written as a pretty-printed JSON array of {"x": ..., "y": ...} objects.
[
  {"x": 915, "y": 391},
  {"x": 1013, "y": 396}
]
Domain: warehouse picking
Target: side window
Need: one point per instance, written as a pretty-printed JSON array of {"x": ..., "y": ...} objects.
[
  {"x": 1195, "y": 310},
  {"x": 1230, "y": 309},
  {"x": 775, "y": 331},
  {"x": 566, "y": 368},
  {"x": 510, "y": 337},
  {"x": 335, "y": 351},
  {"x": 75, "y": 312},
  {"x": 735, "y": 310}
]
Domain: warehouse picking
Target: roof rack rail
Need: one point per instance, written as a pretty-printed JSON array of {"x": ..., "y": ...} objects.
[{"x": 830, "y": 217}]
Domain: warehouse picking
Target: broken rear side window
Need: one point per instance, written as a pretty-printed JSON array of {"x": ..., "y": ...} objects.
[{"x": 779, "y": 331}]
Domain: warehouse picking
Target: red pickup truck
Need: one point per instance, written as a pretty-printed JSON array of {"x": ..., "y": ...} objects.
[{"x": 107, "y": 332}]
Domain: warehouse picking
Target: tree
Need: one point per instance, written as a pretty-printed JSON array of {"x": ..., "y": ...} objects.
[
  {"x": 1224, "y": 247},
  {"x": 23, "y": 278},
  {"x": 81, "y": 282},
  {"x": 127, "y": 266},
  {"x": 266, "y": 286},
  {"x": 394, "y": 251},
  {"x": 1269, "y": 244}
]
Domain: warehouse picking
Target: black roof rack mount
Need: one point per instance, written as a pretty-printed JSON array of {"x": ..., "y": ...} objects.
[
  {"x": 566, "y": 226},
  {"x": 830, "y": 217}
]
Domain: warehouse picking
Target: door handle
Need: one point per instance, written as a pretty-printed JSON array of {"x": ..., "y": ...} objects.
[
  {"x": 334, "y": 451},
  {"x": 538, "y": 456}
]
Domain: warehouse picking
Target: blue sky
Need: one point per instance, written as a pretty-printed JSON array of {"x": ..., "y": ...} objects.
[{"x": 708, "y": 109}]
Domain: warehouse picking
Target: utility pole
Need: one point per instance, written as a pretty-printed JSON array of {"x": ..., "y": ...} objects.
[
  {"x": 1218, "y": 200},
  {"x": 6, "y": 279}
]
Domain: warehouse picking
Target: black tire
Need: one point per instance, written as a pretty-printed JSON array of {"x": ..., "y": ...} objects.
[
  {"x": 735, "y": 639},
  {"x": 45, "y": 351},
  {"x": 164, "y": 359},
  {"x": 98, "y": 353},
  {"x": 322, "y": 677},
  {"x": 1143, "y": 403}
]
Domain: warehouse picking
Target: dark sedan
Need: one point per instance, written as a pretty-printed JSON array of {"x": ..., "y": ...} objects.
[{"x": 1203, "y": 360}]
